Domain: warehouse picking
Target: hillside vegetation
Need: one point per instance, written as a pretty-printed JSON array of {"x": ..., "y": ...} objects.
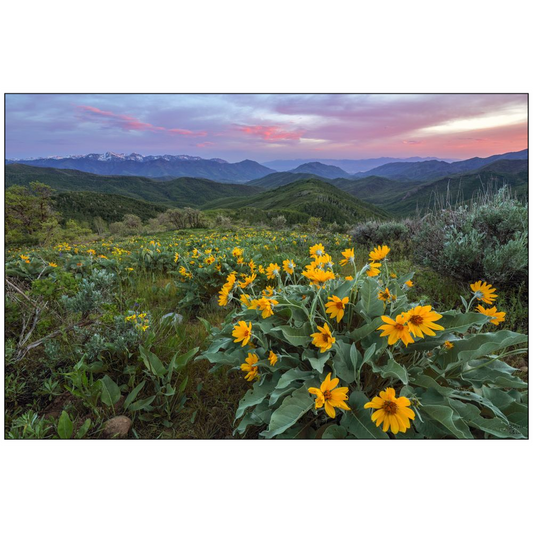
[
  {"x": 312, "y": 197},
  {"x": 179, "y": 192}
]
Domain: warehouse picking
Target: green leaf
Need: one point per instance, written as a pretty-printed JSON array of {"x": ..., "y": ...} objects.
[
  {"x": 152, "y": 362},
  {"x": 254, "y": 396},
  {"x": 363, "y": 331},
  {"x": 482, "y": 344},
  {"x": 142, "y": 404},
  {"x": 392, "y": 370},
  {"x": 335, "y": 432},
  {"x": 493, "y": 426},
  {"x": 369, "y": 305},
  {"x": 296, "y": 336},
  {"x": 345, "y": 361},
  {"x": 294, "y": 374},
  {"x": 445, "y": 415},
  {"x": 357, "y": 421},
  {"x": 291, "y": 410},
  {"x": 65, "y": 426},
  {"x": 110, "y": 391},
  {"x": 83, "y": 429},
  {"x": 182, "y": 360},
  {"x": 133, "y": 394},
  {"x": 317, "y": 359}
]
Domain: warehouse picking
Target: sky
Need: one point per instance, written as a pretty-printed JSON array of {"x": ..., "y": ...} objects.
[{"x": 265, "y": 127}]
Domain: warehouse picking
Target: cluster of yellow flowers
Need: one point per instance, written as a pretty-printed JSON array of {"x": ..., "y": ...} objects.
[
  {"x": 141, "y": 321},
  {"x": 487, "y": 293}
]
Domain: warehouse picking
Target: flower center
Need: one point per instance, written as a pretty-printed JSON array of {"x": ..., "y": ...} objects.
[
  {"x": 247, "y": 333},
  {"x": 416, "y": 320},
  {"x": 325, "y": 338},
  {"x": 340, "y": 305},
  {"x": 327, "y": 395},
  {"x": 399, "y": 326},
  {"x": 390, "y": 407}
]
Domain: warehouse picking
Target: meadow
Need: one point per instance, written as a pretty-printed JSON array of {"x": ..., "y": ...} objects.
[{"x": 212, "y": 333}]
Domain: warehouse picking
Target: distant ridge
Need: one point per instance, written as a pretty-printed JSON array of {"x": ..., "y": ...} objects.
[
  {"x": 426, "y": 170},
  {"x": 151, "y": 166}
]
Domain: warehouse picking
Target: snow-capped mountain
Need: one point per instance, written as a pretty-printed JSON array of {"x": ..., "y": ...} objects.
[{"x": 153, "y": 166}]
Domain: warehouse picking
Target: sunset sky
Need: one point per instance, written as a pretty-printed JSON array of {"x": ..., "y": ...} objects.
[{"x": 266, "y": 127}]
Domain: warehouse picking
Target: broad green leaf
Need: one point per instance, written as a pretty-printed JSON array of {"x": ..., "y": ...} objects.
[
  {"x": 448, "y": 418},
  {"x": 392, "y": 370},
  {"x": 280, "y": 393},
  {"x": 65, "y": 426},
  {"x": 291, "y": 410},
  {"x": 257, "y": 417},
  {"x": 363, "y": 331},
  {"x": 357, "y": 421},
  {"x": 369, "y": 305},
  {"x": 494, "y": 426},
  {"x": 142, "y": 404},
  {"x": 483, "y": 344},
  {"x": 254, "y": 396},
  {"x": 133, "y": 394},
  {"x": 317, "y": 359},
  {"x": 152, "y": 362},
  {"x": 296, "y": 336},
  {"x": 292, "y": 375},
  {"x": 335, "y": 432},
  {"x": 83, "y": 429},
  {"x": 342, "y": 362},
  {"x": 110, "y": 391},
  {"x": 182, "y": 360}
]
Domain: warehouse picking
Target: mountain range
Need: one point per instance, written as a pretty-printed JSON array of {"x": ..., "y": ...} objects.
[
  {"x": 168, "y": 167},
  {"x": 150, "y": 166}
]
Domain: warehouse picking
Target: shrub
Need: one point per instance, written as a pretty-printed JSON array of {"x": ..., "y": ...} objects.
[
  {"x": 322, "y": 356},
  {"x": 487, "y": 239},
  {"x": 375, "y": 232}
]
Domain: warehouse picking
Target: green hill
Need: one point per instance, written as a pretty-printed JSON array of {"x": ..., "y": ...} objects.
[
  {"x": 459, "y": 188},
  {"x": 179, "y": 192},
  {"x": 85, "y": 206},
  {"x": 278, "y": 179},
  {"x": 310, "y": 198}
]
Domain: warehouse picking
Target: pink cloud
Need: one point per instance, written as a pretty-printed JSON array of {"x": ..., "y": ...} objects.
[
  {"x": 205, "y": 144},
  {"x": 271, "y": 133},
  {"x": 128, "y": 123}
]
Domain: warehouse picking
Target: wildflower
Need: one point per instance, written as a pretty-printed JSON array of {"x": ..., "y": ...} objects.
[
  {"x": 493, "y": 313},
  {"x": 318, "y": 277},
  {"x": 53, "y": 265},
  {"x": 373, "y": 269},
  {"x": 336, "y": 307},
  {"x": 268, "y": 292},
  {"x": 289, "y": 266},
  {"x": 391, "y": 411},
  {"x": 392, "y": 275},
  {"x": 323, "y": 339},
  {"x": 24, "y": 257},
  {"x": 349, "y": 256},
  {"x": 131, "y": 317},
  {"x": 248, "y": 280},
  {"x": 176, "y": 257},
  {"x": 251, "y": 264},
  {"x": 223, "y": 298},
  {"x": 272, "y": 270},
  {"x": 316, "y": 251},
  {"x": 265, "y": 305},
  {"x": 246, "y": 300},
  {"x": 348, "y": 278},
  {"x": 329, "y": 397},
  {"x": 379, "y": 253},
  {"x": 409, "y": 283},
  {"x": 242, "y": 332},
  {"x": 421, "y": 319},
  {"x": 249, "y": 366},
  {"x": 448, "y": 345},
  {"x": 129, "y": 269},
  {"x": 484, "y": 292},
  {"x": 272, "y": 358},
  {"x": 396, "y": 329},
  {"x": 237, "y": 252},
  {"x": 385, "y": 295}
]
